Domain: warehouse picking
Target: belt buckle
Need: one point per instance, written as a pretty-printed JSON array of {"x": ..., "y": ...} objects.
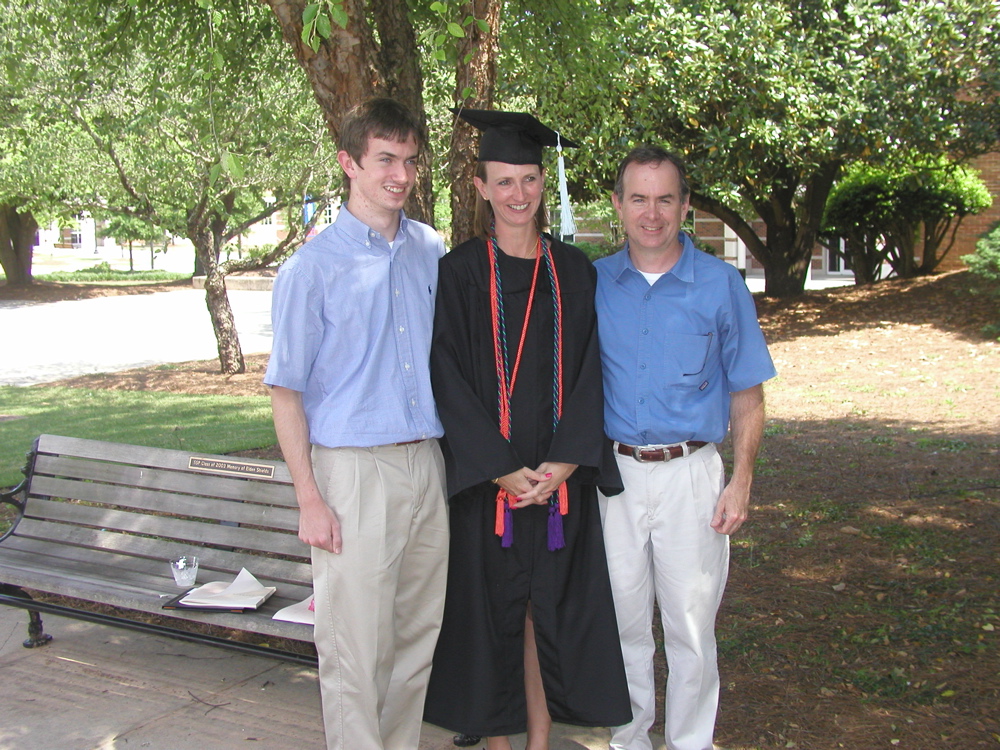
[{"x": 637, "y": 454}]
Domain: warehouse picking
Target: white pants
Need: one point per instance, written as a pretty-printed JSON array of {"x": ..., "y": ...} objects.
[
  {"x": 379, "y": 603},
  {"x": 659, "y": 541}
]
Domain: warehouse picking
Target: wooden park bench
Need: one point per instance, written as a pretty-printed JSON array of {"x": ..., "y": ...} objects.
[{"x": 98, "y": 522}]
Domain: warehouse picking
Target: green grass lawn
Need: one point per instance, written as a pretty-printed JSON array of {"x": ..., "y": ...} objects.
[{"x": 205, "y": 424}]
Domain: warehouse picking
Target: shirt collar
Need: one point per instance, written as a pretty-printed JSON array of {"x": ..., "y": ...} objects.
[
  {"x": 683, "y": 269},
  {"x": 360, "y": 232}
]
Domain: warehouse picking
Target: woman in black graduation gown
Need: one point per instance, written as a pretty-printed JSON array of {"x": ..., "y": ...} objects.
[{"x": 529, "y": 633}]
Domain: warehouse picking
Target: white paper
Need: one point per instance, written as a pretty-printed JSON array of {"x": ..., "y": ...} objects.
[
  {"x": 298, "y": 612},
  {"x": 245, "y": 591}
]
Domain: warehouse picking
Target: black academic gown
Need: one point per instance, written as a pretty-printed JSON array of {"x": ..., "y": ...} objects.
[{"x": 477, "y": 681}]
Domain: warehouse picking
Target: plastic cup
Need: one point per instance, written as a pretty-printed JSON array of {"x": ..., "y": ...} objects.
[{"x": 185, "y": 570}]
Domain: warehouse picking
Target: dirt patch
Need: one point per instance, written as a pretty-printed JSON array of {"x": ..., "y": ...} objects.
[
  {"x": 201, "y": 376},
  {"x": 861, "y": 610}
]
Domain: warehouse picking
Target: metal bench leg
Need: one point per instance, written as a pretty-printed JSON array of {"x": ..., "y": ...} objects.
[{"x": 36, "y": 633}]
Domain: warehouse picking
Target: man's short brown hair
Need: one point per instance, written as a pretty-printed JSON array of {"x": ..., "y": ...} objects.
[
  {"x": 651, "y": 155},
  {"x": 377, "y": 118}
]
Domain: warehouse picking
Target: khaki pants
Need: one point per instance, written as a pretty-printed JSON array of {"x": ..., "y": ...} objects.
[{"x": 379, "y": 603}]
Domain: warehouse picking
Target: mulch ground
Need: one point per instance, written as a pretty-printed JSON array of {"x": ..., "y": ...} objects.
[{"x": 861, "y": 610}]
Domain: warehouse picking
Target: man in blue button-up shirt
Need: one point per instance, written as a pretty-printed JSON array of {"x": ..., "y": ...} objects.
[
  {"x": 684, "y": 359},
  {"x": 350, "y": 388}
]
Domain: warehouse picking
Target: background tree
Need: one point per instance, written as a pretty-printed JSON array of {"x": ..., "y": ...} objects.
[
  {"x": 190, "y": 138},
  {"x": 40, "y": 153},
  {"x": 131, "y": 230},
  {"x": 475, "y": 64},
  {"x": 767, "y": 101},
  {"x": 351, "y": 50}
]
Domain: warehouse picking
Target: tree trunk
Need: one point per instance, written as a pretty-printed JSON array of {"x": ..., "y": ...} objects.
[
  {"x": 793, "y": 212},
  {"x": 342, "y": 71},
  {"x": 935, "y": 246},
  {"x": 207, "y": 241},
  {"x": 786, "y": 263},
  {"x": 400, "y": 77},
  {"x": 349, "y": 68},
  {"x": 480, "y": 75},
  {"x": 17, "y": 240},
  {"x": 901, "y": 237},
  {"x": 863, "y": 258}
]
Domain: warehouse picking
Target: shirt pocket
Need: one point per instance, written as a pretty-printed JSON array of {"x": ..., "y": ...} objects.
[{"x": 690, "y": 359}]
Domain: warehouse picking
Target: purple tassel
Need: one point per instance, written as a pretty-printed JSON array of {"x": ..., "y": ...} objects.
[
  {"x": 507, "y": 539},
  {"x": 556, "y": 538}
]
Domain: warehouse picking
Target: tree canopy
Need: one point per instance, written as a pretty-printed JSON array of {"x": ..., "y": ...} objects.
[
  {"x": 766, "y": 101},
  {"x": 183, "y": 128}
]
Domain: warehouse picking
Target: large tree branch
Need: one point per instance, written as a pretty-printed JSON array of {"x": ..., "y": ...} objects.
[
  {"x": 144, "y": 207},
  {"x": 733, "y": 220}
]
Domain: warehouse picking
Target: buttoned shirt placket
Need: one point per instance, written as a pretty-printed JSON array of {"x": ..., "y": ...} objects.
[
  {"x": 401, "y": 330},
  {"x": 644, "y": 350}
]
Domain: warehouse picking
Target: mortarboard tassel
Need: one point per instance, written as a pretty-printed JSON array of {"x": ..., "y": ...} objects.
[{"x": 567, "y": 224}]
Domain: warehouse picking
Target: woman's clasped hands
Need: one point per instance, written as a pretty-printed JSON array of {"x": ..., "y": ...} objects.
[{"x": 534, "y": 486}]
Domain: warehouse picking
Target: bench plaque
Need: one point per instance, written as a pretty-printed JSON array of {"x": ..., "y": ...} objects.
[{"x": 236, "y": 468}]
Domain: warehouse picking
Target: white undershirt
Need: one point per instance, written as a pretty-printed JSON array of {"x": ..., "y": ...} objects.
[{"x": 651, "y": 277}]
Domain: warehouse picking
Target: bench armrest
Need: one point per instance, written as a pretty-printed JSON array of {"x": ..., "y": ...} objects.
[{"x": 16, "y": 497}]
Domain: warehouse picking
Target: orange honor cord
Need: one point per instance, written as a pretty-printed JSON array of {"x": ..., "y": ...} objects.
[{"x": 507, "y": 378}]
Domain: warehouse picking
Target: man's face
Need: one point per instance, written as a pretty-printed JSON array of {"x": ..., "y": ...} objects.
[
  {"x": 651, "y": 209},
  {"x": 383, "y": 178}
]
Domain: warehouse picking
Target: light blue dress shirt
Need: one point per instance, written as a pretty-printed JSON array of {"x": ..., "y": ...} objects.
[
  {"x": 673, "y": 351},
  {"x": 352, "y": 318}
]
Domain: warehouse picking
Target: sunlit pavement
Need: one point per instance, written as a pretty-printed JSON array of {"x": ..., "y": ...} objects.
[{"x": 44, "y": 342}]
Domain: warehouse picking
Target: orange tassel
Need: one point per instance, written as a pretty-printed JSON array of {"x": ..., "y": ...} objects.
[
  {"x": 498, "y": 526},
  {"x": 563, "y": 499}
]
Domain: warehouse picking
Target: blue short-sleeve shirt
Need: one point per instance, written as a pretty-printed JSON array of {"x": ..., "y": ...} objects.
[
  {"x": 352, "y": 318},
  {"x": 673, "y": 351}
]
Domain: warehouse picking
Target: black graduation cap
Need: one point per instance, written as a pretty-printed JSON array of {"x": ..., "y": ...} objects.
[{"x": 512, "y": 137}]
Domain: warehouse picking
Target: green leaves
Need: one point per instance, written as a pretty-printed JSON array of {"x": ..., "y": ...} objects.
[
  {"x": 318, "y": 19},
  {"x": 441, "y": 38},
  {"x": 229, "y": 163}
]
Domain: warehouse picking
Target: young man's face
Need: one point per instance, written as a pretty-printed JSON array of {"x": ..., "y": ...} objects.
[
  {"x": 383, "y": 178},
  {"x": 651, "y": 208}
]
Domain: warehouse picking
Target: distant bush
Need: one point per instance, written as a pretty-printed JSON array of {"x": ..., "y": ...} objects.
[
  {"x": 104, "y": 272},
  {"x": 985, "y": 263}
]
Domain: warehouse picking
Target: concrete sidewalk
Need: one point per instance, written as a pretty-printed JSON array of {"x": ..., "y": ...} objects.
[
  {"x": 44, "y": 342},
  {"x": 95, "y": 687}
]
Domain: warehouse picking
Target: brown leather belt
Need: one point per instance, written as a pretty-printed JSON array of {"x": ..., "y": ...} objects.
[
  {"x": 661, "y": 454},
  {"x": 410, "y": 442}
]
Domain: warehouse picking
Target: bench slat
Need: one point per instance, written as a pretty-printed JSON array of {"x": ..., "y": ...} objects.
[
  {"x": 190, "y": 483},
  {"x": 176, "y": 529},
  {"x": 164, "y": 458},
  {"x": 139, "y": 575},
  {"x": 151, "y": 555},
  {"x": 216, "y": 509}
]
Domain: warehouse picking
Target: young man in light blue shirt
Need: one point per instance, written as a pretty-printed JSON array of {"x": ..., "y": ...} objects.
[
  {"x": 352, "y": 315},
  {"x": 684, "y": 359}
]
